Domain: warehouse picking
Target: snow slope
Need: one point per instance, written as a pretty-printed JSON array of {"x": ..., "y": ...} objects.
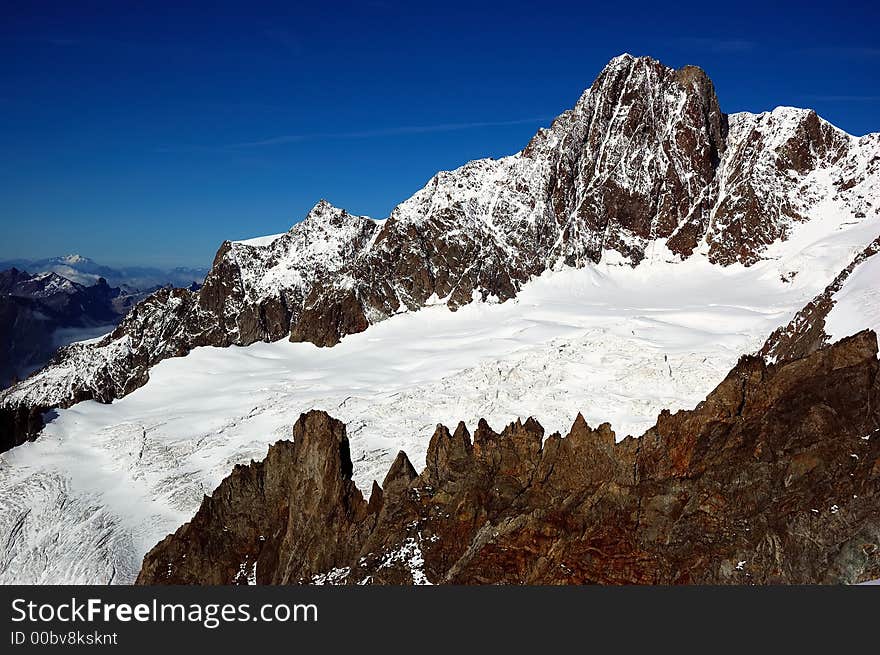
[
  {"x": 857, "y": 304},
  {"x": 104, "y": 483}
]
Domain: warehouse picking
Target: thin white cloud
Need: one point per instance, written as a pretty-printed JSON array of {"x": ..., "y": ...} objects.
[{"x": 384, "y": 131}]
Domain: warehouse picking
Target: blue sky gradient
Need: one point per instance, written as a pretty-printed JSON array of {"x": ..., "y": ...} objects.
[{"x": 146, "y": 133}]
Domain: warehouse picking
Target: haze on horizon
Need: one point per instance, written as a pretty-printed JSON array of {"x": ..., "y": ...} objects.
[{"x": 148, "y": 136}]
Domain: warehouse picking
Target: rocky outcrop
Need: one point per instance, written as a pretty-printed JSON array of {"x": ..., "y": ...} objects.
[
  {"x": 300, "y": 498},
  {"x": 805, "y": 332},
  {"x": 774, "y": 478},
  {"x": 645, "y": 162}
]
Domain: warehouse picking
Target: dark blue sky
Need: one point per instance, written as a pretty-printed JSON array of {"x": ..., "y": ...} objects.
[{"x": 149, "y": 134}]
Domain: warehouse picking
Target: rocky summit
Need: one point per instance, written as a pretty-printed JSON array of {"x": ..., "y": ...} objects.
[
  {"x": 774, "y": 478},
  {"x": 646, "y": 165}
]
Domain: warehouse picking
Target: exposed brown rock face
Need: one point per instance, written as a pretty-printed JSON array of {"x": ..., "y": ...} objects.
[
  {"x": 648, "y": 183},
  {"x": 774, "y": 478},
  {"x": 300, "y": 494}
]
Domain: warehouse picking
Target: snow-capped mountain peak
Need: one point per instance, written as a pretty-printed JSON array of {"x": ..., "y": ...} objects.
[
  {"x": 645, "y": 167},
  {"x": 324, "y": 210},
  {"x": 74, "y": 259}
]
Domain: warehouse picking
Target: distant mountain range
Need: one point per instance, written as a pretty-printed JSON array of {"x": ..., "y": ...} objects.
[
  {"x": 49, "y": 303},
  {"x": 40, "y": 312},
  {"x": 83, "y": 270}
]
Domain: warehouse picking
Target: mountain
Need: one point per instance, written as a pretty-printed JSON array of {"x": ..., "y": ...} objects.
[
  {"x": 773, "y": 479},
  {"x": 39, "y": 313},
  {"x": 645, "y": 166},
  {"x": 86, "y": 271},
  {"x": 790, "y": 204}
]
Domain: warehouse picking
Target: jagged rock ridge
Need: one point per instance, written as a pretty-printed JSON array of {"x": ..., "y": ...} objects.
[
  {"x": 774, "y": 478},
  {"x": 646, "y": 161}
]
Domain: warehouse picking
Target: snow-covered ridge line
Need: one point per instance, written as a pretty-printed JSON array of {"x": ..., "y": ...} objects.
[
  {"x": 644, "y": 168},
  {"x": 259, "y": 241}
]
